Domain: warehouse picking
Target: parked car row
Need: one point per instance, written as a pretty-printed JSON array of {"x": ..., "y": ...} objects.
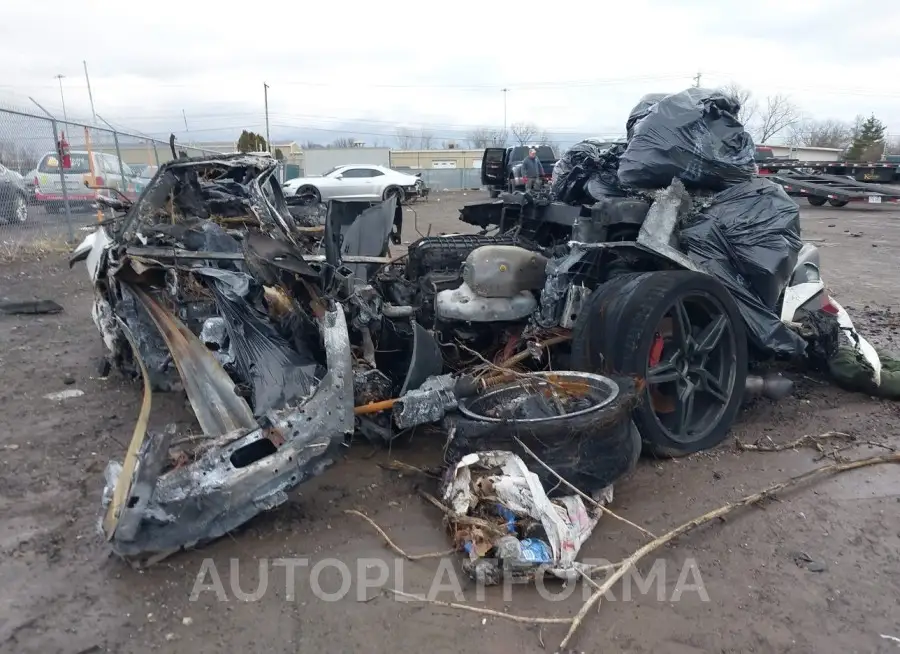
[{"x": 44, "y": 187}]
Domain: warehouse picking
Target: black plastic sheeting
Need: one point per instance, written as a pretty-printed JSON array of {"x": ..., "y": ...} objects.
[
  {"x": 641, "y": 109},
  {"x": 694, "y": 136},
  {"x": 278, "y": 373},
  {"x": 586, "y": 172},
  {"x": 748, "y": 236}
]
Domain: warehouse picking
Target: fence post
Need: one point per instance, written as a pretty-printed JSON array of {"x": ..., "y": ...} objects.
[
  {"x": 62, "y": 180},
  {"x": 121, "y": 167}
]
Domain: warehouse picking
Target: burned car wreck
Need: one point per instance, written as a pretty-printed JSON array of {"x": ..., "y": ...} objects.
[
  {"x": 201, "y": 286},
  {"x": 587, "y": 324}
]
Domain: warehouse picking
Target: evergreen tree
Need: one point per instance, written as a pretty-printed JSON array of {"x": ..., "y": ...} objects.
[
  {"x": 868, "y": 143},
  {"x": 251, "y": 142}
]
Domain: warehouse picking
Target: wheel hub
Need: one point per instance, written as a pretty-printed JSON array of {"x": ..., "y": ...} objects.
[{"x": 689, "y": 367}]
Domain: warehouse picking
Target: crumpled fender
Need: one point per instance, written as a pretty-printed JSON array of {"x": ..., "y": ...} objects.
[{"x": 239, "y": 474}]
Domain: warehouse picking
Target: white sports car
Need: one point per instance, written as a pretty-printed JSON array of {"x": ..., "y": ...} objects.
[{"x": 360, "y": 182}]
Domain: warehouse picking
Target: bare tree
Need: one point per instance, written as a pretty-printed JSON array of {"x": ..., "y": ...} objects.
[
  {"x": 823, "y": 133},
  {"x": 499, "y": 138},
  {"x": 343, "y": 142},
  {"x": 480, "y": 137},
  {"x": 310, "y": 145},
  {"x": 892, "y": 145},
  {"x": 778, "y": 114},
  {"x": 405, "y": 139},
  {"x": 18, "y": 156},
  {"x": 426, "y": 139},
  {"x": 744, "y": 97},
  {"x": 523, "y": 132}
]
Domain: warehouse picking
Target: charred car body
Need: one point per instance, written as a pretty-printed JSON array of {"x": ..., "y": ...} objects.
[{"x": 288, "y": 337}]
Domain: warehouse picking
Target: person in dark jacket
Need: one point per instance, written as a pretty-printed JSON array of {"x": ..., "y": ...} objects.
[{"x": 532, "y": 170}]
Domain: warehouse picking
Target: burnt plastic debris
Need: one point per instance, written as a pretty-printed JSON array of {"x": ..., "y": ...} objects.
[
  {"x": 278, "y": 372},
  {"x": 587, "y": 172},
  {"x": 360, "y": 228},
  {"x": 748, "y": 236},
  {"x": 641, "y": 109},
  {"x": 693, "y": 136}
]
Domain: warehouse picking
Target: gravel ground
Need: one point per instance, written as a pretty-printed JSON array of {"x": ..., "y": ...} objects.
[{"x": 813, "y": 571}]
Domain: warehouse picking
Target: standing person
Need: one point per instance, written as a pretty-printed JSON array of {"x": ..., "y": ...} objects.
[{"x": 532, "y": 170}]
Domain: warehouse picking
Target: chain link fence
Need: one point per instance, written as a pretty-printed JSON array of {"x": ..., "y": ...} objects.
[{"x": 51, "y": 172}]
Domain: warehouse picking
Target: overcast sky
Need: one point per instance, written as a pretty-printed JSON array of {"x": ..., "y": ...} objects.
[{"x": 368, "y": 67}]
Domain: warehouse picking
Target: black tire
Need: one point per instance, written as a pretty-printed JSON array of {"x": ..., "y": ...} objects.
[
  {"x": 590, "y": 451},
  {"x": 310, "y": 194},
  {"x": 52, "y": 208},
  {"x": 394, "y": 191},
  {"x": 838, "y": 203},
  {"x": 815, "y": 200},
  {"x": 618, "y": 330}
]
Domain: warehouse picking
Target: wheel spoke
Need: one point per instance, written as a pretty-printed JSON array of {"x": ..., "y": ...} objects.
[
  {"x": 711, "y": 335},
  {"x": 682, "y": 326},
  {"x": 663, "y": 372},
  {"x": 684, "y": 408},
  {"x": 709, "y": 384}
]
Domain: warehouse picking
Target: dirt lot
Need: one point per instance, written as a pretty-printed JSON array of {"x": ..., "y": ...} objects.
[{"x": 61, "y": 591}]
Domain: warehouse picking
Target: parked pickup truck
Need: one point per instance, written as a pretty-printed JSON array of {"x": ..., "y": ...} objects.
[{"x": 501, "y": 168}]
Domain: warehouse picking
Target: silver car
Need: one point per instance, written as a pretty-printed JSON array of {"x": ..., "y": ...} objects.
[{"x": 358, "y": 182}]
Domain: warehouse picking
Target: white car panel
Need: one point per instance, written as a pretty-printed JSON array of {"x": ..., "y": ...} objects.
[{"x": 360, "y": 182}]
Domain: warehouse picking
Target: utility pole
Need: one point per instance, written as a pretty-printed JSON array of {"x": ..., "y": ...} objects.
[
  {"x": 184, "y": 115},
  {"x": 90, "y": 95},
  {"x": 266, "y": 95},
  {"x": 62, "y": 97},
  {"x": 505, "y": 91},
  {"x": 697, "y": 79}
]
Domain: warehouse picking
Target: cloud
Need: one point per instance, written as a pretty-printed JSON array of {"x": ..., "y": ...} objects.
[{"x": 367, "y": 68}]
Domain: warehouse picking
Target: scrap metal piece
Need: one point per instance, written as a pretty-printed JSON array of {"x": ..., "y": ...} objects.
[
  {"x": 429, "y": 403},
  {"x": 243, "y": 474},
  {"x": 575, "y": 297},
  {"x": 658, "y": 230},
  {"x": 30, "y": 307}
]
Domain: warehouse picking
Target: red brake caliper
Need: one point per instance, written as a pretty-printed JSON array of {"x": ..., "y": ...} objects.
[
  {"x": 660, "y": 402},
  {"x": 656, "y": 350}
]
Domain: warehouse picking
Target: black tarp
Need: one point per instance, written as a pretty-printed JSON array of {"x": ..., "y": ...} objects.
[
  {"x": 748, "y": 236},
  {"x": 586, "y": 172},
  {"x": 694, "y": 136},
  {"x": 641, "y": 109}
]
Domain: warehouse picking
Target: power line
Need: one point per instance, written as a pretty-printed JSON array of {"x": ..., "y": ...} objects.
[{"x": 525, "y": 85}]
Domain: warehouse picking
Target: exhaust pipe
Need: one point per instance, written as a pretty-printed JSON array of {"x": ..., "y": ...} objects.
[{"x": 773, "y": 387}]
